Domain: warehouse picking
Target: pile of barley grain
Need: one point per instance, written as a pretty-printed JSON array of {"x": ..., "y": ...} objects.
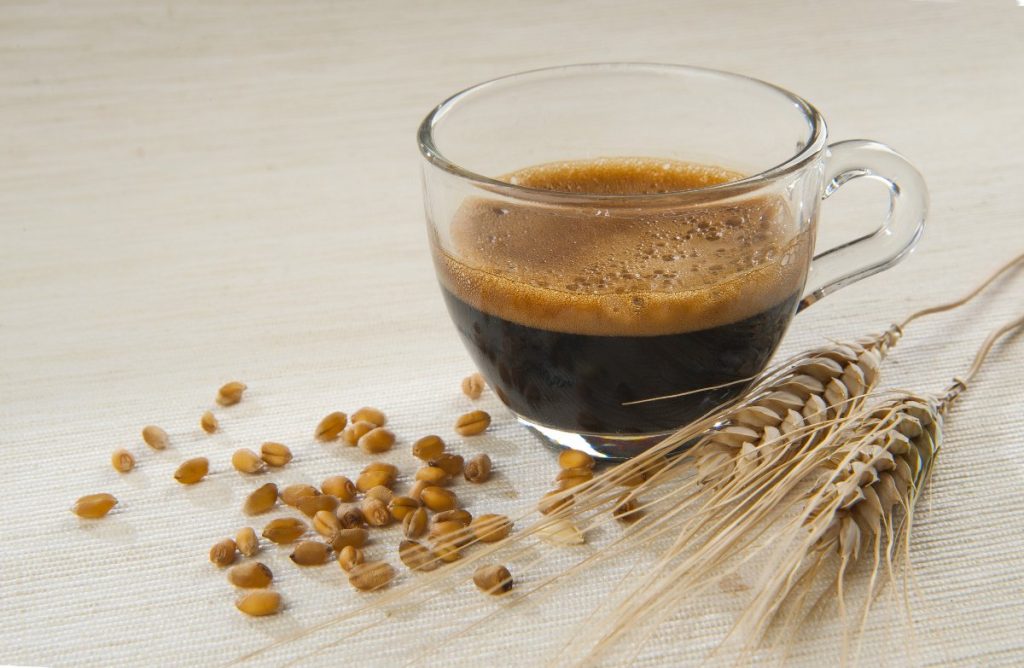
[{"x": 334, "y": 521}]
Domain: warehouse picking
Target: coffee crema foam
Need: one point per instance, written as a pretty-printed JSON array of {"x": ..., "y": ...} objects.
[{"x": 622, "y": 271}]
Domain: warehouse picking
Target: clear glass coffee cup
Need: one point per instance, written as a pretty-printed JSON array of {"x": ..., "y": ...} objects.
[{"x": 622, "y": 246}]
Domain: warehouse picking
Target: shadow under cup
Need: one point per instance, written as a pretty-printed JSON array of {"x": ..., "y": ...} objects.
[{"x": 622, "y": 247}]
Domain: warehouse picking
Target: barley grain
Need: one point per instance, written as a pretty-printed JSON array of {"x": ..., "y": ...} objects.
[
  {"x": 247, "y": 542},
  {"x": 94, "y": 506},
  {"x": 246, "y": 461},
  {"x": 376, "y": 441},
  {"x": 251, "y": 575},
  {"x": 428, "y": 447},
  {"x": 478, "y": 469},
  {"x": 230, "y": 393},
  {"x": 472, "y": 423},
  {"x": 371, "y": 575},
  {"x": 415, "y": 523},
  {"x": 372, "y": 415},
  {"x": 192, "y": 470},
  {"x": 438, "y": 499},
  {"x": 311, "y": 505},
  {"x": 473, "y": 385},
  {"x": 208, "y": 422},
  {"x": 491, "y": 528},
  {"x": 260, "y": 500},
  {"x": 433, "y": 475},
  {"x": 494, "y": 580},
  {"x": 340, "y": 487},
  {"x": 223, "y": 553},
  {"x": 155, "y": 437},
  {"x": 122, "y": 461},
  {"x": 309, "y": 553},
  {"x": 417, "y": 557},
  {"x": 275, "y": 454},
  {"x": 350, "y": 556},
  {"x": 284, "y": 530},
  {"x": 331, "y": 426},
  {"x": 259, "y": 603}
]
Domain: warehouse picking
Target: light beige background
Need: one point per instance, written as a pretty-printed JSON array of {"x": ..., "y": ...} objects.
[{"x": 193, "y": 192}]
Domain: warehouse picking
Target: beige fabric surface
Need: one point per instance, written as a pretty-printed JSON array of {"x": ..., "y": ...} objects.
[{"x": 194, "y": 192}]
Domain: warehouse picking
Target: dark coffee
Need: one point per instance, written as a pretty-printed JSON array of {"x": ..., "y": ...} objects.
[{"x": 573, "y": 312}]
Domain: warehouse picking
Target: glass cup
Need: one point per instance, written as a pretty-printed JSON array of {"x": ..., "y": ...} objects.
[{"x": 607, "y": 303}]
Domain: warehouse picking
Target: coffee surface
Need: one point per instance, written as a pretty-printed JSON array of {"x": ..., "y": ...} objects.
[{"x": 622, "y": 270}]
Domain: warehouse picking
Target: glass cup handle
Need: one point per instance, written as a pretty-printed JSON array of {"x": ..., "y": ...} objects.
[{"x": 893, "y": 240}]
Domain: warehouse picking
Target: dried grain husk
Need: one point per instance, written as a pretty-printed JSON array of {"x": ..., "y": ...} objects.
[
  {"x": 251, "y": 575},
  {"x": 371, "y": 575},
  {"x": 192, "y": 470},
  {"x": 259, "y": 603},
  {"x": 261, "y": 499},
  {"x": 94, "y": 506},
  {"x": 331, "y": 426},
  {"x": 284, "y": 530}
]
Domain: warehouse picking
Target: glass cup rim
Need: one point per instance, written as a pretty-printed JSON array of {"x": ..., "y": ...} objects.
[{"x": 814, "y": 145}]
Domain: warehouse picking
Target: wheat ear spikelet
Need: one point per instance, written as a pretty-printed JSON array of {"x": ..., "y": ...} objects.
[{"x": 864, "y": 502}]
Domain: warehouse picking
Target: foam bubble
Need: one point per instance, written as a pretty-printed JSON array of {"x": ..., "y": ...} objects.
[{"x": 612, "y": 271}]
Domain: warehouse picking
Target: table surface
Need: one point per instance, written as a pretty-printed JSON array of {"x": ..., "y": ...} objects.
[{"x": 194, "y": 192}]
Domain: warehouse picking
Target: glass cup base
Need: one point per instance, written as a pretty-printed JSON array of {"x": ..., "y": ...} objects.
[{"x": 605, "y": 447}]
